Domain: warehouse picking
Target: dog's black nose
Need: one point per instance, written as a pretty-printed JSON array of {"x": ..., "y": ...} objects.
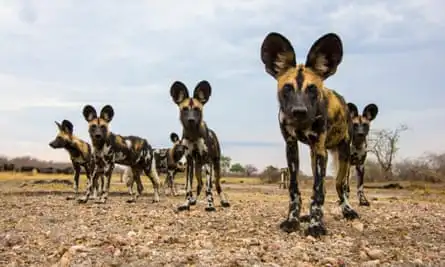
[
  {"x": 299, "y": 112},
  {"x": 97, "y": 136}
]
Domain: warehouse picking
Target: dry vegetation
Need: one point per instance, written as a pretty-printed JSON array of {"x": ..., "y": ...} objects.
[
  {"x": 403, "y": 227},
  {"x": 38, "y": 227}
]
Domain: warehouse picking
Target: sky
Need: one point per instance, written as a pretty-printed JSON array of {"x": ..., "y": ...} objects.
[{"x": 57, "y": 56}]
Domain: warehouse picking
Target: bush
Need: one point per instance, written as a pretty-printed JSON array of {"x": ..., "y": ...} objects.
[
  {"x": 270, "y": 175},
  {"x": 429, "y": 168}
]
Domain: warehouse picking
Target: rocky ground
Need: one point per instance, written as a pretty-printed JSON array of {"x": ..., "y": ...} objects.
[{"x": 39, "y": 227}]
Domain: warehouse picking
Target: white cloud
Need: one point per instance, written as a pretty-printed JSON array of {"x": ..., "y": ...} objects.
[{"x": 57, "y": 56}]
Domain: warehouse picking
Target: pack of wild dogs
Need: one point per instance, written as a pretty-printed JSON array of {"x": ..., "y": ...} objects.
[{"x": 309, "y": 113}]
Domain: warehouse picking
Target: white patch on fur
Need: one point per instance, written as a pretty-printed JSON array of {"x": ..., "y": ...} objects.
[
  {"x": 119, "y": 156},
  {"x": 183, "y": 161},
  {"x": 105, "y": 150},
  {"x": 188, "y": 146},
  {"x": 281, "y": 117},
  {"x": 202, "y": 147},
  {"x": 128, "y": 143}
]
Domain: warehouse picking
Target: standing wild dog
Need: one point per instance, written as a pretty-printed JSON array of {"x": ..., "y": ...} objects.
[
  {"x": 284, "y": 176},
  {"x": 79, "y": 151},
  {"x": 169, "y": 161},
  {"x": 314, "y": 115},
  {"x": 360, "y": 130},
  {"x": 202, "y": 145},
  {"x": 110, "y": 148}
]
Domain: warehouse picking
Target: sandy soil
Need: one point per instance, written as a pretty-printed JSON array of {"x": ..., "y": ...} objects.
[{"x": 39, "y": 227}]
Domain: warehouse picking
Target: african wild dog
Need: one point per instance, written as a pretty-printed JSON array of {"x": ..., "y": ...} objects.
[
  {"x": 110, "y": 149},
  {"x": 171, "y": 161},
  {"x": 168, "y": 161},
  {"x": 79, "y": 151},
  {"x": 360, "y": 130},
  {"x": 202, "y": 145},
  {"x": 284, "y": 178},
  {"x": 314, "y": 115}
]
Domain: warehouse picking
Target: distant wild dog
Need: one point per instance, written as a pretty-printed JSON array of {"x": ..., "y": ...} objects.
[
  {"x": 79, "y": 151},
  {"x": 284, "y": 178},
  {"x": 169, "y": 161},
  {"x": 359, "y": 145},
  {"x": 202, "y": 145},
  {"x": 110, "y": 149},
  {"x": 314, "y": 115}
]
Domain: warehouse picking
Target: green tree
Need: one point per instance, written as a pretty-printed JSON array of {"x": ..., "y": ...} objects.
[{"x": 237, "y": 167}]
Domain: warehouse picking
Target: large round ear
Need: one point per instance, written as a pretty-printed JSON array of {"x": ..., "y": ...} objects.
[
  {"x": 325, "y": 55},
  {"x": 67, "y": 127},
  {"x": 178, "y": 92},
  {"x": 174, "y": 137},
  {"x": 353, "y": 111},
  {"x": 370, "y": 111},
  {"x": 277, "y": 54},
  {"x": 202, "y": 91},
  {"x": 58, "y": 125},
  {"x": 107, "y": 113},
  {"x": 89, "y": 113}
]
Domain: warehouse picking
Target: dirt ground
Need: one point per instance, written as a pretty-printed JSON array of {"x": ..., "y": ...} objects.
[{"x": 39, "y": 227}]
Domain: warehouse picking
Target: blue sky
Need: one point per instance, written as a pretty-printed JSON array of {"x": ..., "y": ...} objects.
[{"x": 57, "y": 56}]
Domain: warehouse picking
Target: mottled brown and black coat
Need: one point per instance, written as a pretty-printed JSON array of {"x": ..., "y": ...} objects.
[
  {"x": 202, "y": 145},
  {"x": 79, "y": 150},
  {"x": 312, "y": 114},
  {"x": 360, "y": 126},
  {"x": 110, "y": 148},
  {"x": 169, "y": 161}
]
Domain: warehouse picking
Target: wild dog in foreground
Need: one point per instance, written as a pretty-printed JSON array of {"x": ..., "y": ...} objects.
[
  {"x": 110, "y": 148},
  {"x": 169, "y": 161},
  {"x": 202, "y": 145},
  {"x": 79, "y": 151},
  {"x": 284, "y": 178},
  {"x": 360, "y": 130},
  {"x": 314, "y": 115}
]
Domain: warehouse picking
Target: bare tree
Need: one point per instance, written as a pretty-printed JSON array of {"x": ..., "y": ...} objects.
[
  {"x": 384, "y": 144},
  {"x": 250, "y": 169}
]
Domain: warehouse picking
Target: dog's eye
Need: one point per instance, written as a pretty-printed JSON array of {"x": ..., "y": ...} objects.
[
  {"x": 185, "y": 108},
  {"x": 312, "y": 89},
  {"x": 103, "y": 127},
  {"x": 287, "y": 88},
  {"x": 94, "y": 126},
  {"x": 355, "y": 125},
  {"x": 195, "y": 109}
]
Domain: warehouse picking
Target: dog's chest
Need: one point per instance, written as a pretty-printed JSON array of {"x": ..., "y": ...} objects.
[
  {"x": 198, "y": 147},
  {"x": 358, "y": 154},
  {"x": 104, "y": 154},
  {"x": 293, "y": 134}
]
